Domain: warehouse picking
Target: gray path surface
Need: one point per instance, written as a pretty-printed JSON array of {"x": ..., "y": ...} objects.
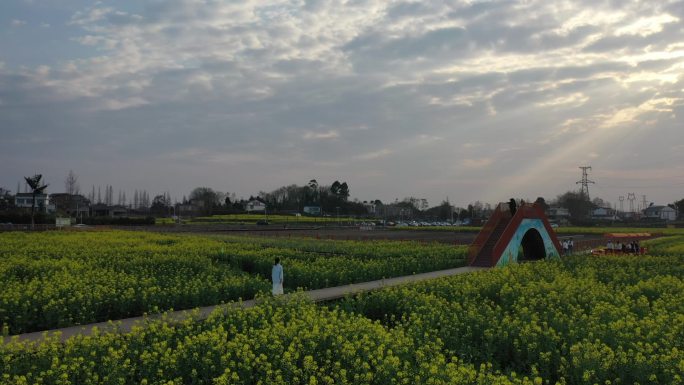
[{"x": 127, "y": 324}]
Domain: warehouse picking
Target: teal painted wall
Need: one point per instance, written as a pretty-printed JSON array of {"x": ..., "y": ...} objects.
[{"x": 510, "y": 254}]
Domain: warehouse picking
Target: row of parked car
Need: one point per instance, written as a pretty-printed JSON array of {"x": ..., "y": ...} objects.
[{"x": 424, "y": 223}]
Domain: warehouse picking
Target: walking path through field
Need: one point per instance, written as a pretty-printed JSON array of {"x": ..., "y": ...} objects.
[{"x": 127, "y": 324}]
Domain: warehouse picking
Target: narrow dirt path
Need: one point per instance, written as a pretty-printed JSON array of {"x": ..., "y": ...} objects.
[{"x": 319, "y": 295}]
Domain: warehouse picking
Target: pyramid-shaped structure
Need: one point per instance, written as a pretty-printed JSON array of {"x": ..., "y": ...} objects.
[{"x": 514, "y": 237}]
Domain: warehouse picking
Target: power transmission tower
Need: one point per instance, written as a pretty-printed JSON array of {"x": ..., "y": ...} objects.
[
  {"x": 585, "y": 181},
  {"x": 622, "y": 202},
  {"x": 631, "y": 198}
]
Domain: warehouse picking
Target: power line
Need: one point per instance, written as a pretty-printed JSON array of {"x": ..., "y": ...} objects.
[
  {"x": 631, "y": 197},
  {"x": 585, "y": 181}
]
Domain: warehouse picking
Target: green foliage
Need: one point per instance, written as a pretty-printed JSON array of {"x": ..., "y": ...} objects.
[
  {"x": 453, "y": 229},
  {"x": 604, "y": 230},
  {"x": 559, "y": 230},
  {"x": 582, "y": 320},
  {"x": 579, "y": 320},
  {"x": 52, "y": 279},
  {"x": 666, "y": 246},
  {"x": 118, "y": 221},
  {"x": 273, "y": 218},
  {"x": 58, "y": 279},
  {"x": 313, "y": 264},
  {"x": 277, "y": 342}
]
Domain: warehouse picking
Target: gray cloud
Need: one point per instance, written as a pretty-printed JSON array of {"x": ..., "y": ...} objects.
[{"x": 401, "y": 98}]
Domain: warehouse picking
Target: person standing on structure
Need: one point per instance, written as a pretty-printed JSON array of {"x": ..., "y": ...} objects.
[
  {"x": 512, "y": 206},
  {"x": 277, "y": 277}
]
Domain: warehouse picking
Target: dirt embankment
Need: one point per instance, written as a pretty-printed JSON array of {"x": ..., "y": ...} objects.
[{"x": 339, "y": 233}]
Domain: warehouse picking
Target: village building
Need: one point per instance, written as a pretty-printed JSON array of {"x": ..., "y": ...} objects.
[
  {"x": 102, "y": 210},
  {"x": 71, "y": 204},
  {"x": 666, "y": 213},
  {"x": 255, "y": 206},
  {"x": 312, "y": 210},
  {"x": 25, "y": 200}
]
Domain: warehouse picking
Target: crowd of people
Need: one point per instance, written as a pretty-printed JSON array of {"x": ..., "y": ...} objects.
[
  {"x": 612, "y": 247},
  {"x": 631, "y": 247}
]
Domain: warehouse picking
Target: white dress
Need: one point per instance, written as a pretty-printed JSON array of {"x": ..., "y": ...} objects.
[{"x": 277, "y": 278}]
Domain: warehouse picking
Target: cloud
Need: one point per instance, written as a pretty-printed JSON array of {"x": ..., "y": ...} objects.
[
  {"x": 575, "y": 99},
  {"x": 409, "y": 90},
  {"x": 631, "y": 114},
  {"x": 647, "y": 25},
  {"x": 114, "y": 104},
  {"x": 374, "y": 155},
  {"x": 332, "y": 134},
  {"x": 477, "y": 163}
]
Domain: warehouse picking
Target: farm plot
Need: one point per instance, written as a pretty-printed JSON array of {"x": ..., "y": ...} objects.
[
  {"x": 314, "y": 264},
  {"x": 582, "y": 320},
  {"x": 666, "y": 246},
  {"x": 277, "y": 342},
  {"x": 51, "y": 280},
  {"x": 254, "y": 218}
]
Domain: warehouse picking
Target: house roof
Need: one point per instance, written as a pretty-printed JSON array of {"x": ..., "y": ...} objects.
[
  {"x": 102, "y": 206},
  {"x": 653, "y": 209},
  {"x": 29, "y": 195},
  {"x": 75, "y": 197}
]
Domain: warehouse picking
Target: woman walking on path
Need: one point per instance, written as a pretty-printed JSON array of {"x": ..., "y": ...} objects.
[{"x": 277, "y": 277}]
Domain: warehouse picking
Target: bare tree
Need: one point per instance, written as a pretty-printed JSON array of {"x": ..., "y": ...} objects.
[{"x": 71, "y": 185}]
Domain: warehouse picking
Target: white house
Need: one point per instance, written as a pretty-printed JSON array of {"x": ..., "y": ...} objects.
[
  {"x": 255, "y": 206},
  {"x": 312, "y": 210},
  {"x": 25, "y": 200},
  {"x": 558, "y": 213},
  {"x": 603, "y": 213},
  {"x": 660, "y": 212}
]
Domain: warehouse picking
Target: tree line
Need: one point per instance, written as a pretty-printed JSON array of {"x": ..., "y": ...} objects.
[{"x": 331, "y": 199}]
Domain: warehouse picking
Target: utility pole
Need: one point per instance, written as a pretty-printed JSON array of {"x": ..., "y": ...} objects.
[{"x": 584, "y": 182}]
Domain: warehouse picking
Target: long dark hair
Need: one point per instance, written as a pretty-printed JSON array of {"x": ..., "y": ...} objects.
[{"x": 277, "y": 261}]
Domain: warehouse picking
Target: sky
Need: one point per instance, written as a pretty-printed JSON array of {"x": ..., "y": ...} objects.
[{"x": 470, "y": 100}]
